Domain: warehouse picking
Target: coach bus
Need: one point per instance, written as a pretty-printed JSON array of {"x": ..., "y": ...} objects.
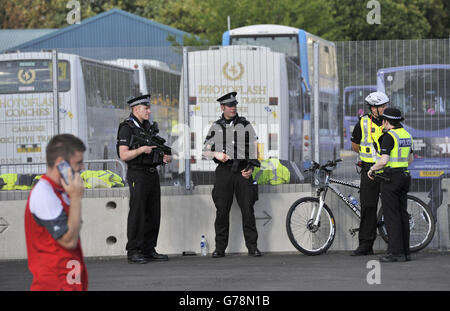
[
  {"x": 298, "y": 45},
  {"x": 92, "y": 101},
  {"x": 422, "y": 93},
  {"x": 353, "y": 108}
]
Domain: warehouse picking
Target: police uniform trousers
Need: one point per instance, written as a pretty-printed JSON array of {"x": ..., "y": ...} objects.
[
  {"x": 396, "y": 218},
  {"x": 369, "y": 195},
  {"x": 145, "y": 210},
  {"x": 226, "y": 185}
]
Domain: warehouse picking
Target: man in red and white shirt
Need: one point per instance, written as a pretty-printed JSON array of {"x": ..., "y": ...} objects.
[{"x": 53, "y": 220}]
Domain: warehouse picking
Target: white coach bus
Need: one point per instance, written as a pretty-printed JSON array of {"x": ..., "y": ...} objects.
[{"x": 92, "y": 101}]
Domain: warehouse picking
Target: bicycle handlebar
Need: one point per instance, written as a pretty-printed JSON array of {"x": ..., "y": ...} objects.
[{"x": 327, "y": 165}]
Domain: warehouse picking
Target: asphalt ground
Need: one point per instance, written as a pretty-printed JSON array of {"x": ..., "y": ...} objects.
[{"x": 333, "y": 271}]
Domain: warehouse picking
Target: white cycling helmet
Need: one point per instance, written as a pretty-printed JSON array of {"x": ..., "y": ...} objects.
[{"x": 376, "y": 99}]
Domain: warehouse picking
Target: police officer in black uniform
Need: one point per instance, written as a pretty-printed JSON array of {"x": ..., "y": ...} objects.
[
  {"x": 143, "y": 179},
  {"x": 231, "y": 143},
  {"x": 396, "y": 155}
]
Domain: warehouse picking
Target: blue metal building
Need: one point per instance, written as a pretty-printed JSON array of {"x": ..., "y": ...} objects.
[
  {"x": 9, "y": 38},
  {"x": 110, "y": 35}
]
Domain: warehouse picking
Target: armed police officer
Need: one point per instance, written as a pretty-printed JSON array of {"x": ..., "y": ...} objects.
[
  {"x": 365, "y": 136},
  {"x": 396, "y": 154},
  {"x": 136, "y": 146},
  {"x": 231, "y": 143}
]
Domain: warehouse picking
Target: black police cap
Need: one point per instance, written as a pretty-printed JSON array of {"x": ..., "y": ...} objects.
[
  {"x": 228, "y": 99},
  {"x": 141, "y": 100},
  {"x": 392, "y": 114}
]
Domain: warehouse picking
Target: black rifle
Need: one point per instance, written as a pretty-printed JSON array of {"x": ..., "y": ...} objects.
[
  {"x": 154, "y": 140},
  {"x": 156, "y": 157}
]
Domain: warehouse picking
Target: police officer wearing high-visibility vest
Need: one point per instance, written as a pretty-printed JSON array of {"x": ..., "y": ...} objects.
[
  {"x": 143, "y": 179},
  {"x": 365, "y": 142},
  {"x": 396, "y": 154},
  {"x": 232, "y": 143}
]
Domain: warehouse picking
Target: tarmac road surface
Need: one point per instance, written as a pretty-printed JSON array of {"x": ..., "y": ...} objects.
[{"x": 333, "y": 271}]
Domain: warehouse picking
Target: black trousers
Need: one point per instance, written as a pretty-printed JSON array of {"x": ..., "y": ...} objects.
[
  {"x": 396, "y": 218},
  {"x": 145, "y": 210},
  {"x": 369, "y": 195},
  {"x": 226, "y": 185}
]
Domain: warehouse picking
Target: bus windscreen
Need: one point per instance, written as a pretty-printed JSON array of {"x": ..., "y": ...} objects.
[
  {"x": 287, "y": 44},
  {"x": 32, "y": 76}
]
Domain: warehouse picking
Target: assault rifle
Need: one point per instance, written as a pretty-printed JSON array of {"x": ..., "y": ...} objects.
[
  {"x": 155, "y": 140},
  {"x": 156, "y": 157}
]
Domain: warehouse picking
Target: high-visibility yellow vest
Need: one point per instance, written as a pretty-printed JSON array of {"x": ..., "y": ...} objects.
[
  {"x": 101, "y": 179},
  {"x": 271, "y": 172},
  {"x": 402, "y": 147},
  {"x": 35, "y": 180},
  {"x": 367, "y": 151},
  {"x": 13, "y": 181},
  {"x": 9, "y": 180}
]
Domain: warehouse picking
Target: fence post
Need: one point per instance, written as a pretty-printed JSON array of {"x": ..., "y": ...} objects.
[
  {"x": 187, "y": 136},
  {"x": 55, "y": 92},
  {"x": 316, "y": 102}
]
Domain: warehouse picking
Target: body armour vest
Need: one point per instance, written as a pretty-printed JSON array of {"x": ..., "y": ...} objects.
[
  {"x": 146, "y": 132},
  {"x": 402, "y": 147},
  {"x": 234, "y": 139},
  {"x": 370, "y": 134}
]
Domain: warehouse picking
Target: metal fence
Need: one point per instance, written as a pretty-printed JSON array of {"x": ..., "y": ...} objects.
[
  {"x": 272, "y": 95},
  {"x": 415, "y": 74}
]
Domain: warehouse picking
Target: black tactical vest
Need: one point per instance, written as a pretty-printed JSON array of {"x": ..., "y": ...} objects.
[
  {"x": 146, "y": 132},
  {"x": 233, "y": 150}
]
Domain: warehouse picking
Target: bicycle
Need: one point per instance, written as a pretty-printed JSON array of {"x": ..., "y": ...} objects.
[{"x": 311, "y": 226}]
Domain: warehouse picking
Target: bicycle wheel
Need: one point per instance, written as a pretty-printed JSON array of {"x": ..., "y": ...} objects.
[
  {"x": 303, "y": 234},
  {"x": 421, "y": 224}
]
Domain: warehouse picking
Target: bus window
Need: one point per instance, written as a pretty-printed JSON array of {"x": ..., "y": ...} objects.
[
  {"x": 32, "y": 76},
  {"x": 326, "y": 61},
  {"x": 287, "y": 44},
  {"x": 107, "y": 86},
  {"x": 325, "y": 120}
]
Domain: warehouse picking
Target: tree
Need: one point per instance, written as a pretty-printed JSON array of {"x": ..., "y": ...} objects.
[
  {"x": 398, "y": 21},
  {"x": 206, "y": 20},
  {"x": 437, "y": 13}
]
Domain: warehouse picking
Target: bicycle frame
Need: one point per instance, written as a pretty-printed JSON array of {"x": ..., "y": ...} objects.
[
  {"x": 355, "y": 209},
  {"x": 322, "y": 192},
  {"x": 318, "y": 211}
]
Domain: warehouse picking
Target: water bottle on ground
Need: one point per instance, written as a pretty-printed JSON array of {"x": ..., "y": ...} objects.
[
  {"x": 353, "y": 200},
  {"x": 203, "y": 246}
]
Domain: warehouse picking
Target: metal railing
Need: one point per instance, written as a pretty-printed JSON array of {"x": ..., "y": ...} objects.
[{"x": 121, "y": 164}]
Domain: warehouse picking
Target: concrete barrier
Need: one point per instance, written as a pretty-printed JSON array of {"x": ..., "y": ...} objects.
[{"x": 185, "y": 216}]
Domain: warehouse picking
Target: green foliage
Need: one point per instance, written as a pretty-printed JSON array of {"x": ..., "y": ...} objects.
[
  {"x": 206, "y": 20},
  {"x": 398, "y": 21}
]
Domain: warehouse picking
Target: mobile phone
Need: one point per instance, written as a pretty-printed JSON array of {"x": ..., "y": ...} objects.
[{"x": 62, "y": 168}]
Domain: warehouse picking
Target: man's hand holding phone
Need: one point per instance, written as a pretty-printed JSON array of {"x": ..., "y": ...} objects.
[{"x": 71, "y": 181}]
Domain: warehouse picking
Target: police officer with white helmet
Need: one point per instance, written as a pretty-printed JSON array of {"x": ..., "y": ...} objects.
[{"x": 365, "y": 136}]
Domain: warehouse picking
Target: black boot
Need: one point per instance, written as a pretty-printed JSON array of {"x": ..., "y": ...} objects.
[
  {"x": 136, "y": 257},
  {"x": 362, "y": 251},
  {"x": 152, "y": 255},
  {"x": 218, "y": 254}
]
